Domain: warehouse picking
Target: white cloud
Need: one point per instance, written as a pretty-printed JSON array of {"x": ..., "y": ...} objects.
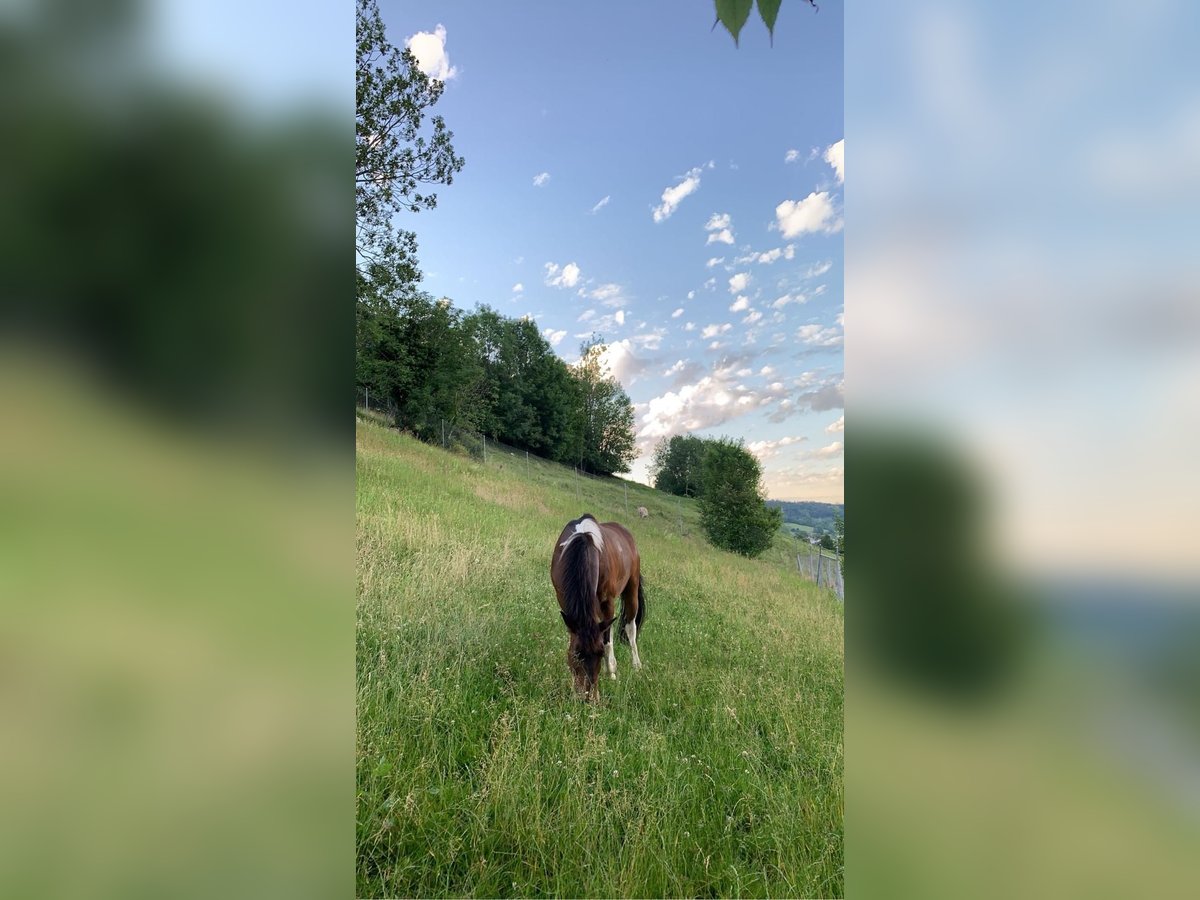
[
  {"x": 540, "y": 179},
  {"x": 713, "y": 399},
  {"x": 619, "y": 361},
  {"x": 710, "y": 284},
  {"x": 608, "y": 294},
  {"x": 518, "y": 287},
  {"x": 720, "y": 228},
  {"x": 689, "y": 326},
  {"x": 554, "y": 337},
  {"x": 753, "y": 316},
  {"x": 839, "y": 425},
  {"x": 586, "y": 315},
  {"x": 768, "y": 449},
  {"x": 814, "y": 213},
  {"x": 620, "y": 316},
  {"x": 739, "y": 282},
  {"x": 567, "y": 276},
  {"x": 783, "y": 301},
  {"x": 651, "y": 340},
  {"x": 819, "y": 336},
  {"x": 741, "y": 303},
  {"x": 675, "y": 369},
  {"x": 792, "y": 156},
  {"x": 430, "y": 51},
  {"x": 714, "y": 261},
  {"x": 599, "y": 206},
  {"x": 673, "y": 196},
  {"x": 835, "y": 155},
  {"x": 715, "y": 345},
  {"x": 817, "y": 270},
  {"x": 770, "y": 256},
  {"x": 677, "y": 313},
  {"x": 834, "y": 449},
  {"x": 714, "y": 330},
  {"x": 691, "y": 295}
]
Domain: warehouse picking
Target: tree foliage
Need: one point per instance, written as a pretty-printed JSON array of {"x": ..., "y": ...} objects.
[
  {"x": 396, "y": 154},
  {"x": 732, "y": 508},
  {"x": 605, "y": 427},
  {"x": 676, "y": 467},
  {"x": 733, "y": 14}
]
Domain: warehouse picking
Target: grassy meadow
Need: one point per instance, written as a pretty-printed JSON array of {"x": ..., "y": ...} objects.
[{"x": 715, "y": 771}]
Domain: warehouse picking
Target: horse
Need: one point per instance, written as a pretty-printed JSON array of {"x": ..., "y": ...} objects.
[
  {"x": 593, "y": 563},
  {"x": 643, "y": 512}
]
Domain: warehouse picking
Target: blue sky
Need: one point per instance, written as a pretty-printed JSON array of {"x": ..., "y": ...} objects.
[{"x": 631, "y": 173}]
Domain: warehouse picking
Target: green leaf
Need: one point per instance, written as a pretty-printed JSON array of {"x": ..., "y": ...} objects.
[
  {"x": 733, "y": 15},
  {"x": 769, "y": 10}
]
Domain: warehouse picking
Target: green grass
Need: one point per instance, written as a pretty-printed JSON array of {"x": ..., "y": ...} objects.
[{"x": 714, "y": 771}]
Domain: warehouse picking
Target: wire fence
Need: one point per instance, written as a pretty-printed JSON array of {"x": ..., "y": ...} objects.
[{"x": 825, "y": 568}]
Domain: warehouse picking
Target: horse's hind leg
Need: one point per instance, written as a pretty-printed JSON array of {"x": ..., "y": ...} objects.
[
  {"x": 629, "y": 614},
  {"x": 610, "y": 661}
]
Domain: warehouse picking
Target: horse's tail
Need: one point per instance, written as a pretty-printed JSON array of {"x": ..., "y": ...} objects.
[
  {"x": 581, "y": 574},
  {"x": 641, "y": 610}
]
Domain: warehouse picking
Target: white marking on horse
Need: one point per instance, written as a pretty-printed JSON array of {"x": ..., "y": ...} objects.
[
  {"x": 587, "y": 526},
  {"x": 611, "y": 661},
  {"x": 631, "y": 633}
]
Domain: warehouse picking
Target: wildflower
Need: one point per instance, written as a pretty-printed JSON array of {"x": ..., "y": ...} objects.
[{"x": 615, "y": 773}]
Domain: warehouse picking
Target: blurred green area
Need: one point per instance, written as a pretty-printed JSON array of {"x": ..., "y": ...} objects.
[
  {"x": 1006, "y": 737},
  {"x": 176, "y": 535}
]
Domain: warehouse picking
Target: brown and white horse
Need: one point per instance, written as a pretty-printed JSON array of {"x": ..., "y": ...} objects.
[{"x": 592, "y": 564}]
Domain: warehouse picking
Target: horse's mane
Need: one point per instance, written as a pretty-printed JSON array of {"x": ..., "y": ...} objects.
[{"x": 580, "y": 572}]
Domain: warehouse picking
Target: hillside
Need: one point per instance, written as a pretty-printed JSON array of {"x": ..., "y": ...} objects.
[
  {"x": 810, "y": 515},
  {"x": 714, "y": 771}
]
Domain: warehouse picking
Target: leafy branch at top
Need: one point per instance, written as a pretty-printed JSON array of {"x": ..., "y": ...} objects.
[{"x": 733, "y": 14}]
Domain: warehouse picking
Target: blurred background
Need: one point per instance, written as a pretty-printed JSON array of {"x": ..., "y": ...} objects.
[
  {"x": 176, "y": 532},
  {"x": 176, "y": 573},
  {"x": 1023, "y": 368}
]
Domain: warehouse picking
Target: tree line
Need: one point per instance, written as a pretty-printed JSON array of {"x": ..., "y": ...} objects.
[{"x": 431, "y": 365}]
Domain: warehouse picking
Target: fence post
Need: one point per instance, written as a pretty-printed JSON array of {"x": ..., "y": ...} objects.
[
  {"x": 443, "y": 434},
  {"x": 820, "y": 557},
  {"x": 367, "y": 391},
  {"x": 485, "y": 449},
  {"x": 679, "y": 512}
]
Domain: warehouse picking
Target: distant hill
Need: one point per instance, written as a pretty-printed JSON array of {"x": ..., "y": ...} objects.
[{"x": 817, "y": 516}]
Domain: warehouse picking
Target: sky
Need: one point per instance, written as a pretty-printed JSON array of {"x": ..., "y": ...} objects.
[{"x": 633, "y": 174}]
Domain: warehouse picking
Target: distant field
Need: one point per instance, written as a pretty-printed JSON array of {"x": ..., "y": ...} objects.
[
  {"x": 798, "y": 529},
  {"x": 715, "y": 771}
]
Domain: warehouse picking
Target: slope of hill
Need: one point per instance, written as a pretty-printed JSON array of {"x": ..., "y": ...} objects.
[{"x": 714, "y": 771}]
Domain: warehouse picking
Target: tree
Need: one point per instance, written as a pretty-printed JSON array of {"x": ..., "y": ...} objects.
[
  {"x": 827, "y": 543},
  {"x": 395, "y": 154},
  {"x": 732, "y": 508},
  {"x": 677, "y": 465},
  {"x": 605, "y": 416}
]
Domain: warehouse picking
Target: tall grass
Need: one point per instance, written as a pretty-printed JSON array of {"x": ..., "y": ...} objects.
[{"x": 714, "y": 771}]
